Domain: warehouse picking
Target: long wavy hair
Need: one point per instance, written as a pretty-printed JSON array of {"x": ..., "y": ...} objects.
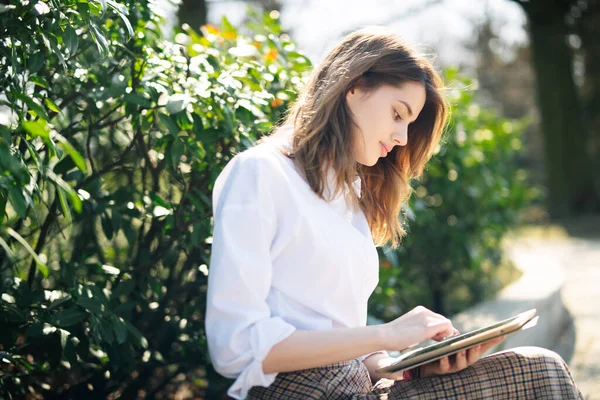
[{"x": 322, "y": 121}]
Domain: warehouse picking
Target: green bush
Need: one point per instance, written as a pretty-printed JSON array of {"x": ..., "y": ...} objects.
[
  {"x": 107, "y": 165},
  {"x": 470, "y": 194}
]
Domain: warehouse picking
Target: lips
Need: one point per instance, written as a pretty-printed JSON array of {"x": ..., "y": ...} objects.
[{"x": 384, "y": 149}]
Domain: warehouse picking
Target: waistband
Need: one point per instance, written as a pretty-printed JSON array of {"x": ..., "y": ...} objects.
[{"x": 337, "y": 365}]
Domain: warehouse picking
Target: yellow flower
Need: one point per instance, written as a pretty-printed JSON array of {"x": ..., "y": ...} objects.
[
  {"x": 272, "y": 55},
  {"x": 276, "y": 103}
]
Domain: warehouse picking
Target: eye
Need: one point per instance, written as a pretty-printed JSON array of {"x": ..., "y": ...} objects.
[{"x": 396, "y": 116}]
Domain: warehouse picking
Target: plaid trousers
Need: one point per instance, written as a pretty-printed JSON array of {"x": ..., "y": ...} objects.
[{"x": 517, "y": 373}]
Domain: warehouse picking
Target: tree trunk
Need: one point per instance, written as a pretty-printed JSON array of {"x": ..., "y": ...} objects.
[
  {"x": 193, "y": 13},
  {"x": 570, "y": 177},
  {"x": 590, "y": 42}
]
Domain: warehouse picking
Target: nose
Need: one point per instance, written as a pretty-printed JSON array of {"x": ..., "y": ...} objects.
[{"x": 401, "y": 137}]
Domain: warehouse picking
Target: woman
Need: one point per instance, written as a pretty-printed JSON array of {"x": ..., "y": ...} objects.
[{"x": 296, "y": 222}]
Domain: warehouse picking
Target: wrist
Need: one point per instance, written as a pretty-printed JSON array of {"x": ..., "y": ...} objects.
[
  {"x": 376, "y": 361},
  {"x": 381, "y": 336}
]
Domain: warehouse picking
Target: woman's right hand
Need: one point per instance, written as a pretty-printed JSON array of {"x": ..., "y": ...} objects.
[{"x": 414, "y": 327}]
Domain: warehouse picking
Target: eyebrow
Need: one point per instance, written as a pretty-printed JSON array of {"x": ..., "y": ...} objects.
[{"x": 410, "y": 113}]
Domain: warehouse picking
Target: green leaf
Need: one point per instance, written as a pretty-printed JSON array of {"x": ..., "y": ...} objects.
[
  {"x": 104, "y": 330},
  {"x": 40, "y": 329},
  {"x": 14, "y": 314},
  {"x": 84, "y": 9},
  {"x": 36, "y": 62},
  {"x": 68, "y": 317},
  {"x": 54, "y": 46},
  {"x": 120, "y": 329},
  {"x": 156, "y": 199},
  {"x": 40, "y": 81},
  {"x": 75, "y": 155},
  {"x": 52, "y": 105},
  {"x": 107, "y": 227},
  {"x": 116, "y": 220},
  {"x": 176, "y": 151},
  {"x": 177, "y": 103},
  {"x": 63, "y": 203},
  {"x": 92, "y": 304},
  {"x": 64, "y": 337},
  {"x": 3, "y": 202},
  {"x": 6, "y": 248},
  {"x": 140, "y": 339},
  {"x": 17, "y": 200},
  {"x": 226, "y": 25},
  {"x": 118, "y": 7},
  {"x": 100, "y": 40},
  {"x": 38, "y": 128},
  {"x": 73, "y": 196},
  {"x": 32, "y": 105},
  {"x": 168, "y": 122},
  {"x": 123, "y": 288},
  {"x": 6, "y": 7},
  {"x": 122, "y": 12},
  {"x": 102, "y": 6},
  {"x": 127, "y": 24},
  {"x": 138, "y": 99},
  {"x": 43, "y": 268},
  {"x": 59, "y": 302},
  {"x": 70, "y": 39},
  {"x": 64, "y": 165}
]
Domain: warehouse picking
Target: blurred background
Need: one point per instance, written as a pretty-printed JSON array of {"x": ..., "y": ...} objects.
[
  {"x": 116, "y": 118},
  {"x": 489, "y": 41}
]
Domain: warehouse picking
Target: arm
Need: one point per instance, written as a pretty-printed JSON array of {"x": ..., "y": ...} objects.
[
  {"x": 240, "y": 329},
  {"x": 310, "y": 349}
]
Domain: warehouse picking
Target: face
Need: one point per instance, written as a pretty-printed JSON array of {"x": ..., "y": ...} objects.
[{"x": 383, "y": 116}]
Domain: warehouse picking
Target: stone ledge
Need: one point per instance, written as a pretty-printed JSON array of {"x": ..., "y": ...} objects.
[{"x": 539, "y": 287}]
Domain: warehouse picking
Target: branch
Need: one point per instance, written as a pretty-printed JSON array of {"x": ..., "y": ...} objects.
[
  {"x": 87, "y": 145},
  {"x": 42, "y": 240},
  {"x": 110, "y": 166}
]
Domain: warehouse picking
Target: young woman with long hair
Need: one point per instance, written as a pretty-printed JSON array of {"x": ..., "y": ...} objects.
[{"x": 297, "y": 219}]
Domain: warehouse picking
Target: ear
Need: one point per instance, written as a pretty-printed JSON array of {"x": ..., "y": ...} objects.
[{"x": 350, "y": 93}]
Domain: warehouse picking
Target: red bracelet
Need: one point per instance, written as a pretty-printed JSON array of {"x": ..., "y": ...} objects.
[{"x": 411, "y": 374}]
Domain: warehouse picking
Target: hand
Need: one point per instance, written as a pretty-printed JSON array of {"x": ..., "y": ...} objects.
[
  {"x": 414, "y": 327},
  {"x": 459, "y": 361}
]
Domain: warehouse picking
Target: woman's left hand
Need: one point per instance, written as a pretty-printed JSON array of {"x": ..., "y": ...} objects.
[{"x": 459, "y": 361}]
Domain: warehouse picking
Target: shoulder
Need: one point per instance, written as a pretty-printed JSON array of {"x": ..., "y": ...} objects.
[
  {"x": 260, "y": 161},
  {"x": 256, "y": 170}
]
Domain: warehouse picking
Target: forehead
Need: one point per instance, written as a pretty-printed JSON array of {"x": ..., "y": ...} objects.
[{"x": 413, "y": 92}]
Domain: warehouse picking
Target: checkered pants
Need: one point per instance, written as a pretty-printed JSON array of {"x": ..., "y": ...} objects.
[{"x": 517, "y": 373}]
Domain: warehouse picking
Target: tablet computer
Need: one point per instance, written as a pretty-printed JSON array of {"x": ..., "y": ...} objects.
[{"x": 454, "y": 344}]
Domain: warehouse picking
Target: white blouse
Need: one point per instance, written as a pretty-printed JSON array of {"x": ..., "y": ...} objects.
[{"x": 282, "y": 259}]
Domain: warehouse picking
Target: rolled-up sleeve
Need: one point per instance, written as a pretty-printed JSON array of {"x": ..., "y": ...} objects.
[
  {"x": 364, "y": 357},
  {"x": 239, "y": 327}
]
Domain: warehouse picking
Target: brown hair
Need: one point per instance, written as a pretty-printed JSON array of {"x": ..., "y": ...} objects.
[{"x": 321, "y": 120}]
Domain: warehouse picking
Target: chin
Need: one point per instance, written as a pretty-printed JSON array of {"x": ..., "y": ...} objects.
[{"x": 370, "y": 163}]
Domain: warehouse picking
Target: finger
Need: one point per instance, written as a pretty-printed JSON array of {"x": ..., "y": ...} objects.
[
  {"x": 491, "y": 343},
  {"x": 449, "y": 331},
  {"x": 461, "y": 361},
  {"x": 473, "y": 354},
  {"x": 444, "y": 365},
  {"x": 438, "y": 367}
]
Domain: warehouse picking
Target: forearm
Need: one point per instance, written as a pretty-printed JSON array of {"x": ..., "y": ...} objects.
[{"x": 310, "y": 349}]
